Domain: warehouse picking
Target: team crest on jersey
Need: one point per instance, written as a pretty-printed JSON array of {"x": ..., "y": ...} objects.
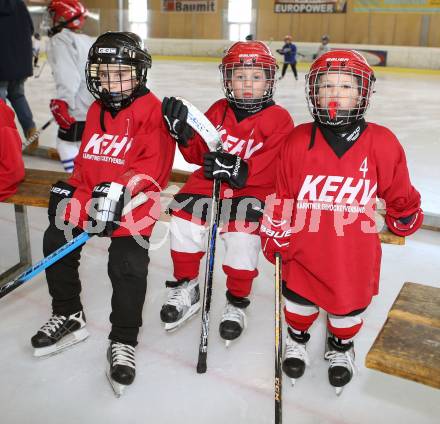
[
  {"x": 336, "y": 193},
  {"x": 107, "y": 148},
  {"x": 236, "y": 146}
]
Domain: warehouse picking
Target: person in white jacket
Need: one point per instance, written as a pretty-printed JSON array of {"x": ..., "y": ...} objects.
[{"x": 67, "y": 52}]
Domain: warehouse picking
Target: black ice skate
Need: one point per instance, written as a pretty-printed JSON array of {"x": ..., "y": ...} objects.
[
  {"x": 341, "y": 367},
  {"x": 182, "y": 303},
  {"x": 234, "y": 320},
  {"x": 121, "y": 369},
  {"x": 59, "y": 333},
  {"x": 295, "y": 354}
]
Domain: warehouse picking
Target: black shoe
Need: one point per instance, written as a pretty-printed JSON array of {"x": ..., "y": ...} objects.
[
  {"x": 122, "y": 362},
  {"x": 233, "y": 320},
  {"x": 59, "y": 332}
]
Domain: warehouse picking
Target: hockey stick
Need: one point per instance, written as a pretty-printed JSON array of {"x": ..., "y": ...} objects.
[
  {"x": 62, "y": 251},
  {"x": 32, "y": 138},
  {"x": 209, "y": 273},
  {"x": 200, "y": 123},
  {"x": 278, "y": 342}
]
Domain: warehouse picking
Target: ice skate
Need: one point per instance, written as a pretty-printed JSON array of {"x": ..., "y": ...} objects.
[
  {"x": 295, "y": 355},
  {"x": 234, "y": 320},
  {"x": 59, "y": 333},
  {"x": 183, "y": 302},
  {"x": 341, "y": 356},
  {"x": 121, "y": 369}
]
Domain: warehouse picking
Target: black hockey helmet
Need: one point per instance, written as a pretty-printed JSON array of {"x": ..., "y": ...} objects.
[{"x": 116, "y": 69}]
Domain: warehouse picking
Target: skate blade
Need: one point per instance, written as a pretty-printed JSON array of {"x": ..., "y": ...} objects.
[
  {"x": 118, "y": 389},
  {"x": 339, "y": 390},
  {"x": 293, "y": 381},
  {"x": 69, "y": 340},
  {"x": 228, "y": 343},
  {"x": 172, "y": 326}
]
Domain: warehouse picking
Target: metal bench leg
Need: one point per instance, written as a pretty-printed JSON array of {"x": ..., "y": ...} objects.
[{"x": 24, "y": 246}]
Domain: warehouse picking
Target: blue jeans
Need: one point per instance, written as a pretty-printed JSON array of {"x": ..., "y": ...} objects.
[{"x": 14, "y": 92}]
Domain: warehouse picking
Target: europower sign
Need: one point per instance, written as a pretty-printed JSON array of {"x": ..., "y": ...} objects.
[{"x": 310, "y": 6}]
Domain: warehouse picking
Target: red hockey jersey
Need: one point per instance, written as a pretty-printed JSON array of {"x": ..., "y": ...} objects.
[
  {"x": 11, "y": 160},
  {"x": 335, "y": 248},
  {"x": 257, "y": 139},
  {"x": 135, "y": 150}
]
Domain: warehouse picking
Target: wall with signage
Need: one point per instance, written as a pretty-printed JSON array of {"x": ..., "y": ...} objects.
[
  {"x": 201, "y": 19},
  {"x": 373, "y": 22},
  {"x": 307, "y": 20}
]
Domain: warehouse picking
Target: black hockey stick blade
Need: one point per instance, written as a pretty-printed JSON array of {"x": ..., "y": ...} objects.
[{"x": 201, "y": 364}]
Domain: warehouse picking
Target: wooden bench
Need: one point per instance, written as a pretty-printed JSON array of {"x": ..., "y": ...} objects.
[
  {"x": 45, "y": 153},
  {"x": 408, "y": 344},
  {"x": 34, "y": 191}
]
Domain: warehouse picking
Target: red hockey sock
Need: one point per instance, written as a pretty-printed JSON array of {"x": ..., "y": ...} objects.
[
  {"x": 239, "y": 282},
  {"x": 186, "y": 265},
  {"x": 299, "y": 322},
  {"x": 344, "y": 327}
]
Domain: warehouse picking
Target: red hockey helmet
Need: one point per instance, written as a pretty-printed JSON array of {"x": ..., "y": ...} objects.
[
  {"x": 254, "y": 55},
  {"x": 325, "y": 74},
  {"x": 67, "y": 14}
]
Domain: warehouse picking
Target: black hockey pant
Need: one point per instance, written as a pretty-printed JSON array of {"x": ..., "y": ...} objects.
[
  {"x": 293, "y": 66},
  {"x": 127, "y": 269}
]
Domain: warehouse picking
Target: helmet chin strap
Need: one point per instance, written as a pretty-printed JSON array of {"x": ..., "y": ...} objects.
[{"x": 57, "y": 28}]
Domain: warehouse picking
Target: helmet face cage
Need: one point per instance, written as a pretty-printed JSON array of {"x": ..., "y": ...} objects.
[
  {"x": 248, "y": 84},
  {"x": 337, "y": 94},
  {"x": 115, "y": 72}
]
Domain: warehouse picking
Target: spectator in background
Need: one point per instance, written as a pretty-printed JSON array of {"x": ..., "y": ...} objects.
[
  {"x": 36, "y": 43},
  {"x": 11, "y": 161},
  {"x": 16, "y": 31},
  {"x": 324, "y": 47},
  {"x": 289, "y": 53}
]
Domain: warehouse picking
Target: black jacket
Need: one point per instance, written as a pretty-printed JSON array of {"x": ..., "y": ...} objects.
[{"x": 16, "y": 31}]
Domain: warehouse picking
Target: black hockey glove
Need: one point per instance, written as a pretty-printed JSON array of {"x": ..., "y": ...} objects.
[
  {"x": 59, "y": 191},
  {"x": 106, "y": 209},
  {"x": 226, "y": 167},
  {"x": 175, "y": 114}
]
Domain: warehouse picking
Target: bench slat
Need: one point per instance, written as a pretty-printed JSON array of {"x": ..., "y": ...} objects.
[{"x": 408, "y": 344}]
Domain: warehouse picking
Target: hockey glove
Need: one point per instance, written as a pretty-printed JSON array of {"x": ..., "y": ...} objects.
[
  {"x": 175, "y": 114},
  {"x": 405, "y": 226},
  {"x": 106, "y": 210},
  {"x": 226, "y": 167},
  {"x": 275, "y": 238},
  {"x": 59, "y": 191},
  {"x": 60, "y": 111}
]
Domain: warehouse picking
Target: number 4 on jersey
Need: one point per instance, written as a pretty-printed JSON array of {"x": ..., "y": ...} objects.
[{"x": 364, "y": 167}]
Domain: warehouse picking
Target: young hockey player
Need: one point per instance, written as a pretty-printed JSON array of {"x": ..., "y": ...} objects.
[
  {"x": 67, "y": 51},
  {"x": 126, "y": 149},
  {"x": 11, "y": 160},
  {"x": 289, "y": 53},
  {"x": 329, "y": 175},
  {"x": 252, "y": 129}
]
